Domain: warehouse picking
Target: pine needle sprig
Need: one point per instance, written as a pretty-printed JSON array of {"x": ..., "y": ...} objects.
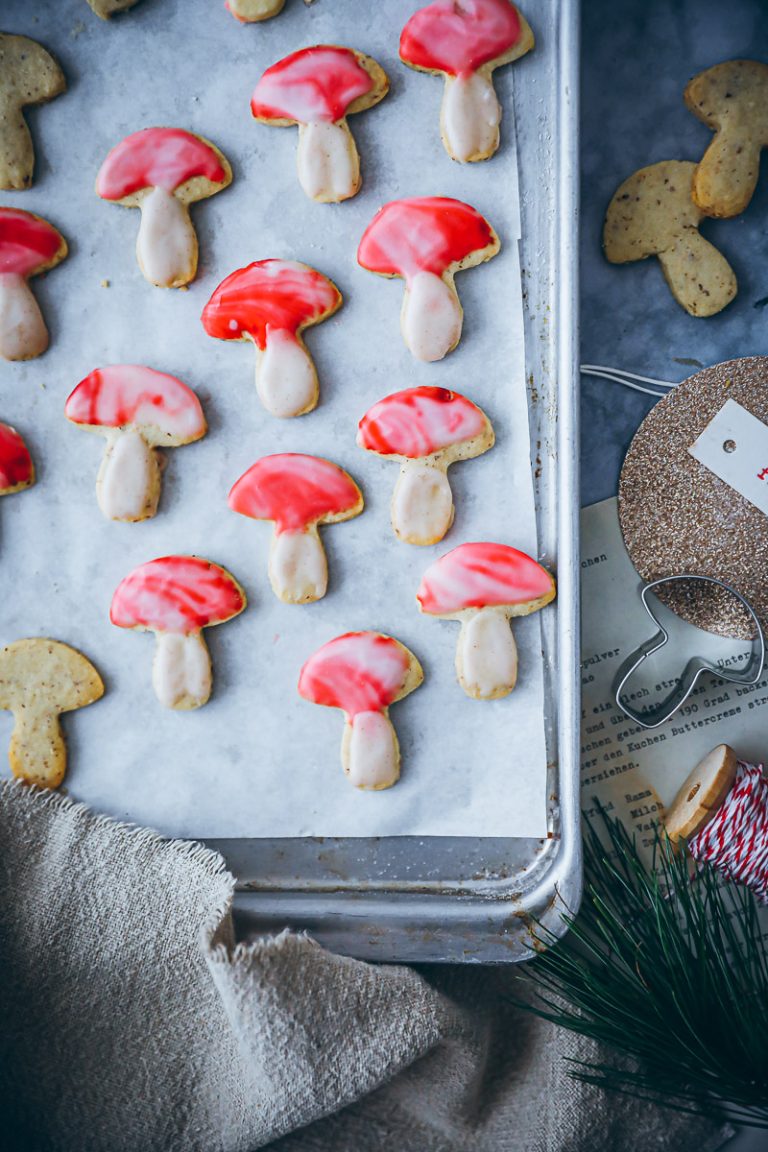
[{"x": 669, "y": 972}]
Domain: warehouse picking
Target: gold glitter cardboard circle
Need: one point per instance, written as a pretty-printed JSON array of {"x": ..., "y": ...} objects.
[{"x": 677, "y": 516}]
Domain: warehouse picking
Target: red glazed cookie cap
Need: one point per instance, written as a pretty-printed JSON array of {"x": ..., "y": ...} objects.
[
  {"x": 311, "y": 86},
  {"x": 295, "y": 491},
  {"x": 484, "y": 576},
  {"x": 16, "y": 467},
  {"x": 158, "y": 158},
  {"x": 357, "y": 672},
  {"x": 419, "y": 422},
  {"x": 179, "y": 594},
  {"x": 130, "y": 394},
  {"x": 459, "y": 36},
  {"x": 423, "y": 234},
  {"x": 28, "y": 244}
]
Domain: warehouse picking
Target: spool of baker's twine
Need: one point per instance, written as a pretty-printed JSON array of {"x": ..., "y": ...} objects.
[{"x": 722, "y": 813}]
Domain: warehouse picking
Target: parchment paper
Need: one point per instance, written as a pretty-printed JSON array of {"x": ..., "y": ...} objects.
[{"x": 258, "y": 760}]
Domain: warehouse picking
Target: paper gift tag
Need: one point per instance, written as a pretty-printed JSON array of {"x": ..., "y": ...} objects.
[{"x": 735, "y": 447}]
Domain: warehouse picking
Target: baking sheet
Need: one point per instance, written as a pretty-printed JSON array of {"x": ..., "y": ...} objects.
[{"x": 257, "y": 760}]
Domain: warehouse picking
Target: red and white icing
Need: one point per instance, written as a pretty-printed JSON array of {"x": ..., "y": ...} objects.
[
  {"x": 460, "y": 38},
  {"x": 270, "y": 302},
  {"x": 161, "y": 160},
  {"x": 16, "y": 468},
  {"x": 28, "y": 244},
  {"x": 138, "y": 409},
  {"x": 422, "y": 239},
  {"x": 176, "y": 597},
  {"x": 481, "y": 575},
  {"x": 419, "y": 422},
  {"x": 311, "y": 86},
  {"x": 157, "y": 158},
  {"x": 179, "y": 594},
  {"x": 314, "y": 88},
  {"x": 296, "y": 492}
]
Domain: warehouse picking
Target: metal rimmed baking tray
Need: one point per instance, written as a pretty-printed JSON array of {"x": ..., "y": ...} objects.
[{"x": 462, "y": 899}]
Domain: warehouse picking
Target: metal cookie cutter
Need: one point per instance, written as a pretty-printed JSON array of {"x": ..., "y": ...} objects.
[{"x": 659, "y": 714}]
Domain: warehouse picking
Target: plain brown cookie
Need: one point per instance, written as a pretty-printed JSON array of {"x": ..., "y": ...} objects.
[
  {"x": 107, "y": 8},
  {"x": 653, "y": 214},
  {"x": 28, "y": 75},
  {"x": 732, "y": 99}
]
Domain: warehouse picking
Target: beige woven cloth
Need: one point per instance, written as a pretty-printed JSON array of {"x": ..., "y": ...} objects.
[{"x": 128, "y": 1020}]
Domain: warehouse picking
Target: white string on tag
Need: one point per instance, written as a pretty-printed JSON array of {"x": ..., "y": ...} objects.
[{"x": 628, "y": 379}]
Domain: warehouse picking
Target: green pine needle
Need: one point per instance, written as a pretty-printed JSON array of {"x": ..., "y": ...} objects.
[{"x": 670, "y": 973}]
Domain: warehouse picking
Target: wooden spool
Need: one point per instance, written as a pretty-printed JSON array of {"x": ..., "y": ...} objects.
[{"x": 702, "y": 793}]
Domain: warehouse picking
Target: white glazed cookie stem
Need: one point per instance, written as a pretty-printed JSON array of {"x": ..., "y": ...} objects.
[
  {"x": 23, "y": 334},
  {"x": 166, "y": 247},
  {"x": 35, "y": 729},
  {"x": 327, "y": 161},
  {"x": 181, "y": 670},
  {"x": 298, "y": 570},
  {"x": 432, "y": 316},
  {"x": 370, "y": 753},
  {"x": 128, "y": 484},
  {"x": 422, "y": 504},
  {"x": 286, "y": 380},
  {"x": 486, "y": 654},
  {"x": 470, "y": 116}
]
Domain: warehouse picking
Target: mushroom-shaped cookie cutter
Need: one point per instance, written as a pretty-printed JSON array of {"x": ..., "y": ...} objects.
[
  {"x": 426, "y": 240},
  {"x": 363, "y": 673},
  {"x": 317, "y": 88},
  {"x": 658, "y": 714},
  {"x": 653, "y": 214},
  {"x": 161, "y": 171},
  {"x": 426, "y": 430},
  {"x": 138, "y": 410},
  {"x": 466, "y": 42},
  {"x": 297, "y": 493},
  {"x": 176, "y": 597},
  {"x": 40, "y": 679},
  {"x": 254, "y": 11},
  {"x": 484, "y": 586},
  {"x": 271, "y": 302},
  {"x": 17, "y": 471},
  {"x": 29, "y": 245},
  {"x": 30, "y": 76},
  {"x": 732, "y": 99}
]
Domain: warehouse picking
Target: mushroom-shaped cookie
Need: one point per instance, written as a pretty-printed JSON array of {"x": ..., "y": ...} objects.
[
  {"x": 29, "y": 245},
  {"x": 161, "y": 171},
  {"x": 107, "y": 8},
  {"x": 176, "y": 597},
  {"x": 138, "y": 410},
  {"x": 16, "y": 468},
  {"x": 426, "y": 240},
  {"x": 363, "y": 673},
  {"x": 483, "y": 586},
  {"x": 297, "y": 493},
  {"x": 28, "y": 75},
  {"x": 253, "y": 11},
  {"x": 40, "y": 679},
  {"x": 271, "y": 302},
  {"x": 653, "y": 214},
  {"x": 317, "y": 88},
  {"x": 732, "y": 99},
  {"x": 426, "y": 430},
  {"x": 466, "y": 40}
]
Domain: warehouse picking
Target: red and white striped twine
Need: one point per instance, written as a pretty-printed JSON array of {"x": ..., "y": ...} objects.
[{"x": 735, "y": 841}]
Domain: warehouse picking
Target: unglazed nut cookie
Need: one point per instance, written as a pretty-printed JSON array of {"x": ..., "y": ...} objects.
[
  {"x": 425, "y": 430},
  {"x": 363, "y": 673},
  {"x": 40, "y": 679},
  {"x": 297, "y": 493},
  {"x": 162, "y": 171},
  {"x": 317, "y": 88},
  {"x": 464, "y": 41},
  {"x": 732, "y": 99},
  {"x": 29, "y": 245},
  {"x": 653, "y": 214},
  {"x": 253, "y": 11},
  {"x": 426, "y": 240},
  {"x": 484, "y": 586},
  {"x": 28, "y": 75},
  {"x": 107, "y": 8},
  {"x": 176, "y": 597},
  {"x": 138, "y": 410},
  {"x": 271, "y": 302}
]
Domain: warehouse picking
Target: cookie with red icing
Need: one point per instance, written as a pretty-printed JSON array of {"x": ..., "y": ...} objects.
[
  {"x": 317, "y": 88},
  {"x": 465, "y": 41},
  {"x": 425, "y": 430},
  {"x": 161, "y": 171},
  {"x": 29, "y": 245}
]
